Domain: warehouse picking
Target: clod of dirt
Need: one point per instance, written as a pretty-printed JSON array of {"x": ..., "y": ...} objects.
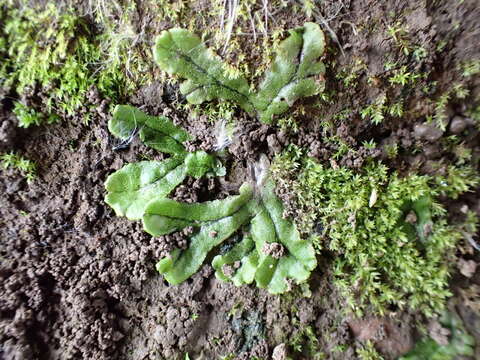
[
  {"x": 467, "y": 267},
  {"x": 438, "y": 333},
  {"x": 280, "y": 352},
  {"x": 458, "y": 125},
  {"x": 250, "y": 140},
  {"x": 194, "y": 190},
  {"x": 390, "y": 336},
  {"x": 273, "y": 143},
  {"x": 275, "y": 250},
  {"x": 427, "y": 132},
  {"x": 150, "y": 96},
  {"x": 204, "y": 137},
  {"x": 228, "y": 270},
  {"x": 167, "y": 243},
  {"x": 8, "y": 132}
]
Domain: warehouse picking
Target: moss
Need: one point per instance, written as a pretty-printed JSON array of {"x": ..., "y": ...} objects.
[
  {"x": 27, "y": 168},
  {"x": 375, "y": 111},
  {"x": 440, "y": 115},
  {"x": 390, "y": 238},
  {"x": 368, "y": 352},
  {"x": 57, "y": 54},
  {"x": 469, "y": 68},
  {"x": 305, "y": 341}
]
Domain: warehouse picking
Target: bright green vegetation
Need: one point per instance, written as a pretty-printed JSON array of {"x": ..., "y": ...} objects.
[
  {"x": 390, "y": 237},
  {"x": 368, "y": 352},
  {"x": 296, "y": 71},
  {"x": 262, "y": 246},
  {"x": 26, "y": 167},
  {"x": 59, "y": 54},
  {"x": 305, "y": 341},
  {"x": 403, "y": 77},
  {"x": 217, "y": 221},
  {"x": 133, "y": 186},
  {"x": 182, "y": 53},
  {"x": 460, "y": 343},
  {"x": 470, "y": 68},
  {"x": 158, "y": 133},
  {"x": 377, "y": 111}
]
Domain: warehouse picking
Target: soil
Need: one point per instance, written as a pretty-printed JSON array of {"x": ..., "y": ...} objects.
[{"x": 78, "y": 282}]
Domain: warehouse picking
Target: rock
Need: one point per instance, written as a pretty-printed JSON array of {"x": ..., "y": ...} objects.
[
  {"x": 159, "y": 333},
  {"x": 280, "y": 352},
  {"x": 458, "y": 125},
  {"x": 273, "y": 143},
  {"x": 282, "y": 137},
  {"x": 427, "y": 132}
]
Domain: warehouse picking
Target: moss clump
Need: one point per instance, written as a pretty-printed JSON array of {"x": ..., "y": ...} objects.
[
  {"x": 390, "y": 239},
  {"x": 27, "y": 168},
  {"x": 54, "y": 57}
]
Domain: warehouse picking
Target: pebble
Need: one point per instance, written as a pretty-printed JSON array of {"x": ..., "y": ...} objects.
[
  {"x": 428, "y": 132},
  {"x": 458, "y": 125},
  {"x": 280, "y": 352},
  {"x": 273, "y": 143}
]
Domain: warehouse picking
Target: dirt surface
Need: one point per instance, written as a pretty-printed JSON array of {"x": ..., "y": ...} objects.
[{"x": 77, "y": 282}]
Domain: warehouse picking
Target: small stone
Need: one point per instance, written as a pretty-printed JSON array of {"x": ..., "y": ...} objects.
[
  {"x": 428, "y": 132},
  {"x": 159, "y": 333},
  {"x": 273, "y": 143},
  {"x": 373, "y": 197},
  {"x": 458, "y": 125},
  {"x": 411, "y": 218},
  {"x": 431, "y": 152},
  {"x": 172, "y": 313},
  {"x": 427, "y": 229},
  {"x": 282, "y": 136},
  {"x": 275, "y": 250},
  {"x": 467, "y": 267},
  {"x": 280, "y": 352},
  {"x": 182, "y": 341},
  {"x": 117, "y": 335}
]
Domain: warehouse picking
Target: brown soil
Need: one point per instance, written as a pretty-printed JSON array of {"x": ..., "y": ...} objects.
[{"x": 77, "y": 282}]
